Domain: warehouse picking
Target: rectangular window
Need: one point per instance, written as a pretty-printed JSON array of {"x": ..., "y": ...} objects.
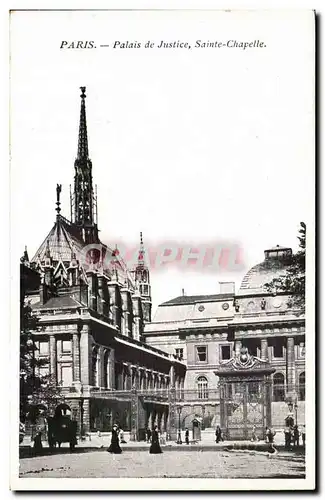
[
  {"x": 66, "y": 375},
  {"x": 201, "y": 354},
  {"x": 66, "y": 346},
  {"x": 225, "y": 352},
  {"x": 179, "y": 353},
  {"x": 278, "y": 351},
  {"x": 43, "y": 348}
]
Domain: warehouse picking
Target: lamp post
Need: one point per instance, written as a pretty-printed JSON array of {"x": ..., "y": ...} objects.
[{"x": 179, "y": 437}]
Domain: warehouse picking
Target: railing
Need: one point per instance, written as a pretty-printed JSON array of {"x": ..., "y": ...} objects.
[{"x": 199, "y": 395}]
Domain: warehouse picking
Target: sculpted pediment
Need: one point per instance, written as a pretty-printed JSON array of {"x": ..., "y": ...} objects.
[{"x": 244, "y": 362}]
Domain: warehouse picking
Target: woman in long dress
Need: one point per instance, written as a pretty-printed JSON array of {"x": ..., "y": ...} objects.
[
  {"x": 115, "y": 444},
  {"x": 155, "y": 446}
]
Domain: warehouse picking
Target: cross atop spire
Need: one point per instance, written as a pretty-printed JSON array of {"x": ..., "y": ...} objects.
[{"x": 83, "y": 138}]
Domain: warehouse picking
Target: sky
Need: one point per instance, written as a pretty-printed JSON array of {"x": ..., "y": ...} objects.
[{"x": 191, "y": 146}]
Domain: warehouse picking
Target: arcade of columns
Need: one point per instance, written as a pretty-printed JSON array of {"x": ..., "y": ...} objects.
[{"x": 290, "y": 359}]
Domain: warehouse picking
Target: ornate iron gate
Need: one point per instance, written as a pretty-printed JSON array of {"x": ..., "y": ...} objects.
[{"x": 244, "y": 407}]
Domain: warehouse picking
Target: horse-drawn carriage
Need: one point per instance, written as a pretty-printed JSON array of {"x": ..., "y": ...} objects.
[{"x": 61, "y": 427}]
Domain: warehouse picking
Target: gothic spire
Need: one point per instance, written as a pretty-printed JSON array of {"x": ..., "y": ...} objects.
[
  {"x": 83, "y": 199},
  {"x": 83, "y": 138},
  {"x": 142, "y": 281}
]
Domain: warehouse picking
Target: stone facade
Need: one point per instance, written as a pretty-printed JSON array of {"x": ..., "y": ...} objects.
[
  {"x": 207, "y": 331},
  {"x": 92, "y": 310}
]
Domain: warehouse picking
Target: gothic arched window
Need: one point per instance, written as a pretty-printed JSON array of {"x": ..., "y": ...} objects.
[
  {"x": 202, "y": 387},
  {"x": 278, "y": 387}
]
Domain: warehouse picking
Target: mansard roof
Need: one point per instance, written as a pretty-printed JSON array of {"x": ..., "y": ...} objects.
[{"x": 192, "y": 299}]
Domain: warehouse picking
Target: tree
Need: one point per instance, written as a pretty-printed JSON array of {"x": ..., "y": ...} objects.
[
  {"x": 36, "y": 390},
  {"x": 293, "y": 281}
]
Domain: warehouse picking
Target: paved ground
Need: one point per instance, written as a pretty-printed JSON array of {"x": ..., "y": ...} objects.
[
  {"x": 195, "y": 464},
  {"x": 104, "y": 439}
]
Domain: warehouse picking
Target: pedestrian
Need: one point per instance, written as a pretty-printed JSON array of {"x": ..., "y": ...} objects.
[
  {"x": 272, "y": 433},
  {"x": 287, "y": 437},
  {"x": 155, "y": 446},
  {"x": 296, "y": 435},
  {"x": 187, "y": 436},
  {"x": 115, "y": 445},
  {"x": 218, "y": 434},
  {"x": 267, "y": 434},
  {"x": 303, "y": 435},
  {"x": 38, "y": 446},
  {"x": 148, "y": 435},
  {"x": 254, "y": 437}
]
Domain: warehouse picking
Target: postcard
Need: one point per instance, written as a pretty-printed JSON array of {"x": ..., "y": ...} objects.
[{"x": 162, "y": 243}]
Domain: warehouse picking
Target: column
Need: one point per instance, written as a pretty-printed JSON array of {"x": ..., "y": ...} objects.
[
  {"x": 172, "y": 376},
  {"x": 107, "y": 370},
  {"x": 149, "y": 418},
  {"x": 84, "y": 355},
  {"x": 76, "y": 357},
  {"x": 291, "y": 365},
  {"x": 86, "y": 415},
  {"x": 177, "y": 387},
  {"x": 163, "y": 421},
  {"x": 134, "y": 414},
  {"x": 157, "y": 417},
  {"x": 172, "y": 425},
  {"x": 53, "y": 358},
  {"x": 111, "y": 370},
  {"x": 102, "y": 369},
  {"x": 264, "y": 349}
]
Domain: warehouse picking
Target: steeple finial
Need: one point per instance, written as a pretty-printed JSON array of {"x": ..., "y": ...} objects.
[
  {"x": 25, "y": 258},
  {"x": 58, "y": 203},
  {"x": 83, "y": 138},
  {"x": 141, "y": 251}
]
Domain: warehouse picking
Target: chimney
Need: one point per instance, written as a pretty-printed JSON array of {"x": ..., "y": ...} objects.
[
  {"x": 227, "y": 287},
  {"x": 183, "y": 292}
]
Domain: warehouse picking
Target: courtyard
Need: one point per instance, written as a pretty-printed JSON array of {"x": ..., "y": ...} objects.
[{"x": 170, "y": 464}]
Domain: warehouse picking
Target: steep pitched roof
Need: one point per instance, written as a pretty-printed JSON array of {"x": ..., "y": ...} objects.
[{"x": 63, "y": 239}]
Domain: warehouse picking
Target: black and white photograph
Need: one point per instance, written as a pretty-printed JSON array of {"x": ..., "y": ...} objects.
[{"x": 162, "y": 191}]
